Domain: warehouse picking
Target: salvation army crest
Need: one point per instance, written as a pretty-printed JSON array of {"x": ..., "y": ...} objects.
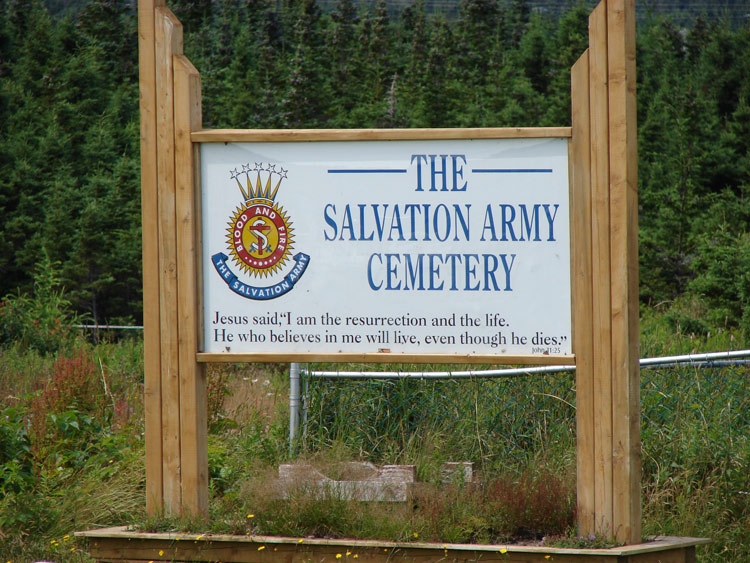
[{"x": 260, "y": 237}]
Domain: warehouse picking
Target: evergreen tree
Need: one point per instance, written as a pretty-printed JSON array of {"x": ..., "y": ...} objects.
[
  {"x": 478, "y": 42},
  {"x": 534, "y": 54},
  {"x": 251, "y": 81},
  {"x": 110, "y": 26},
  {"x": 238, "y": 98},
  {"x": 20, "y": 15},
  {"x": 193, "y": 14},
  {"x": 682, "y": 166},
  {"x": 5, "y": 46},
  {"x": 63, "y": 128},
  {"x": 436, "y": 102},
  {"x": 519, "y": 16},
  {"x": 478, "y": 47},
  {"x": 304, "y": 103},
  {"x": 343, "y": 73},
  {"x": 375, "y": 72},
  {"x": 413, "y": 42},
  {"x": 571, "y": 41},
  {"x": 723, "y": 61},
  {"x": 270, "y": 77},
  {"x": 33, "y": 146},
  {"x": 210, "y": 45},
  {"x": 382, "y": 74}
]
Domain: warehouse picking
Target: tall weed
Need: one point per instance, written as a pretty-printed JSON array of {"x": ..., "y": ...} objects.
[
  {"x": 684, "y": 326},
  {"x": 70, "y": 456},
  {"x": 21, "y": 370},
  {"x": 493, "y": 422},
  {"x": 501, "y": 508},
  {"x": 43, "y": 321}
]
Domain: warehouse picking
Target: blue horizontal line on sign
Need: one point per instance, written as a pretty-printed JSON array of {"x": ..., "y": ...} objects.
[
  {"x": 367, "y": 171},
  {"x": 512, "y": 170}
]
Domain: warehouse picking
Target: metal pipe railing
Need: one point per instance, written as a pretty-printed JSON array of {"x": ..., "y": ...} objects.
[
  {"x": 706, "y": 359},
  {"x": 711, "y": 359}
]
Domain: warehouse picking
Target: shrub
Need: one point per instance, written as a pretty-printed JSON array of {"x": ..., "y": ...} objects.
[
  {"x": 42, "y": 322},
  {"x": 723, "y": 276}
]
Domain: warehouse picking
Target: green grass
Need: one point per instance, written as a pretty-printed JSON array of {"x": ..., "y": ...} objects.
[
  {"x": 682, "y": 327},
  {"x": 83, "y": 467},
  {"x": 71, "y": 447}
]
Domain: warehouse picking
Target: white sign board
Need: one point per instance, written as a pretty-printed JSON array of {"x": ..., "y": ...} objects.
[{"x": 408, "y": 247}]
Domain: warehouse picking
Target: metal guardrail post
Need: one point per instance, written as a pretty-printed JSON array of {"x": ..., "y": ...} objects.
[
  {"x": 305, "y": 400},
  {"x": 294, "y": 404}
]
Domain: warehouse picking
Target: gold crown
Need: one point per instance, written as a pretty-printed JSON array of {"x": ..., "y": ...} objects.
[{"x": 260, "y": 188}]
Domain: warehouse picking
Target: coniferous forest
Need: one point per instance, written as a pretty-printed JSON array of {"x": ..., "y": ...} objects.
[{"x": 69, "y": 156}]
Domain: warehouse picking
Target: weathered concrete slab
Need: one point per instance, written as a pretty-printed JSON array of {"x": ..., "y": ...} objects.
[{"x": 362, "y": 481}]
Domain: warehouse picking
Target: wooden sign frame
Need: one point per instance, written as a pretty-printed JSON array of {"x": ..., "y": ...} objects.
[{"x": 603, "y": 187}]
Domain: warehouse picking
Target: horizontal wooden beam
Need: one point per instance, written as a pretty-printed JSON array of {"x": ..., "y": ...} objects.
[
  {"x": 567, "y": 360},
  {"x": 288, "y": 135}
]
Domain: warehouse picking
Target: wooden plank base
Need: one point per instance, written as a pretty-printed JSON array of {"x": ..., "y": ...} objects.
[{"x": 117, "y": 545}]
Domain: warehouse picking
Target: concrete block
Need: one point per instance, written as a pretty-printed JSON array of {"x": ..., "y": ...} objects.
[{"x": 361, "y": 481}]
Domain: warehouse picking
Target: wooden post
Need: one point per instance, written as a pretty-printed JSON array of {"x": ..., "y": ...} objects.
[
  {"x": 623, "y": 178},
  {"x": 168, "y": 43},
  {"x": 151, "y": 319},
  {"x": 602, "y": 345},
  {"x": 580, "y": 219},
  {"x": 175, "y": 388},
  {"x": 604, "y": 160},
  {"x": 193, "y": 408}
]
